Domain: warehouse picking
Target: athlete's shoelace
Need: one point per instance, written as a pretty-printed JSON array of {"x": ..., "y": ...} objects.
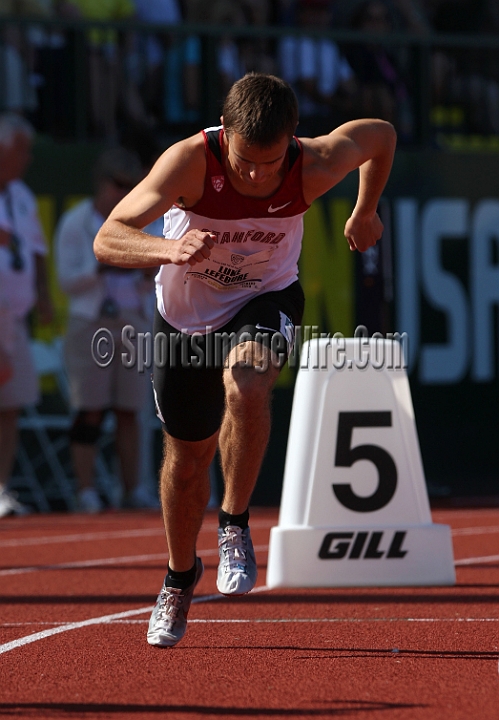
[
  {"x": 233, "y": 545},
  {"x": 170, "y": 604}
]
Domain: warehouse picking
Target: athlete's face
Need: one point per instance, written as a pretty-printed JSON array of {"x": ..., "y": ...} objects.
[{"x": 254, "y": 165}]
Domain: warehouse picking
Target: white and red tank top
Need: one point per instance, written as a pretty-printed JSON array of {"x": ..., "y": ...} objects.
[{"x": 258, "y": 243}]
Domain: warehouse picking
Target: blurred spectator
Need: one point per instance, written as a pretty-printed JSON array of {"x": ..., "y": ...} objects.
[
  {"x": 228, "y": 58},
  {"x": 101, "y": 296},
  {"x": 321, "y": 76},
  {"x": 382, "y": 91},
  {"x": 235, "y": 55},
  {"x": 52, "y": 76},
  {"x": 176, "y": 81},
  {"x": 256, "y": 52},
  {"x": 23, "y": 284},
  {"x": 156, "y": 50},
  {"x": 113, "y": 84},
  {"x": 16, "y": 55},
  {"x": 231, "y": 65},
  {"x": 238, "y": 54}
]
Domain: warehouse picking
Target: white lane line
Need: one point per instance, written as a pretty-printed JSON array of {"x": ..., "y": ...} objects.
[
  {"x": 270, "y": 621},
  {"x": 338, "y": 620},
  {"x": 477, "y": 560},
  {"x": 108, "y": 561},
  {"x": 85, "y": 564},
  {"x": 103, "y": 620},
  {"x": 248, "y": 621},
  {"x": 476, "y": 530},
  {"x": 20, "y": 642},
  {"x": 81, "y": 537},
  {"x": 113, "y": 535}
]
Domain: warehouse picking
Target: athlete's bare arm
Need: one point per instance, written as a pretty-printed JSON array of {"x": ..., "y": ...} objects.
[
  {"x": 365, "y": 144},
  {"x": 177, "y": 176}
]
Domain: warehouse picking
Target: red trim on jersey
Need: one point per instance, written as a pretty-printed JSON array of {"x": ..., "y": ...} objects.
[{"x": 221, "y": 201}]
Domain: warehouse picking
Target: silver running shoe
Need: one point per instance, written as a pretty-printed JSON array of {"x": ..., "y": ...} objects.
[
  {"x": 237, "y": 570},
  {"x": 168, "y": 621}
]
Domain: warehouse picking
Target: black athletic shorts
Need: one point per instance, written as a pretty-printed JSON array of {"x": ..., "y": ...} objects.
[{"x": 188, "y": 369}]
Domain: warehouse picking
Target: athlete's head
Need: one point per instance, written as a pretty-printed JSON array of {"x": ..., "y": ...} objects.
[{"x": 261, "y": 109}]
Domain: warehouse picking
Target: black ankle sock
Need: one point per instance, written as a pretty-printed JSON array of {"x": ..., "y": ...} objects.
[
  {"x": 181, "y": 580},
  {"x": 225, "y": 519}
]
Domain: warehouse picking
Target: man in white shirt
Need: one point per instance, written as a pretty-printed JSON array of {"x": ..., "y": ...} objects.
[
  {"x": 23, "y": 284},
  {"x": 102, "y": 297}
]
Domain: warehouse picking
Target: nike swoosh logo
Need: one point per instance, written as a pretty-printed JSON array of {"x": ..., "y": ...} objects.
[{"x": 273, "y": 209}]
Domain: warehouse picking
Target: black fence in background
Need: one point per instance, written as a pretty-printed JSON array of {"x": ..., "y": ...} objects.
[{"x": 80, "y": 81}]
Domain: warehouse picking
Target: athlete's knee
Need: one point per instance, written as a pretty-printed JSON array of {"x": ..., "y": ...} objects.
[
  {"x": 246, "y": 388},
  {"x": 86, "y": 427}
]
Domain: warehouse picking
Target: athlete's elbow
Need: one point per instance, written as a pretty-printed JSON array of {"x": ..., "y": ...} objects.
[
  {"x": 384, "y": 142},
  {"x": 389, "y": 133},
  {"x": 101, "y": 250}
]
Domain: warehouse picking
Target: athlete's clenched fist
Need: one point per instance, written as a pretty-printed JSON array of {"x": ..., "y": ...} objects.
[{"x": 194, "y": 247}]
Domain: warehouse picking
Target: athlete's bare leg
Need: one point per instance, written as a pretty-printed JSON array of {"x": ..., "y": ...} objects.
[
  {"x": 185, "y": 493},
  {"x": 246, "y": 424}
]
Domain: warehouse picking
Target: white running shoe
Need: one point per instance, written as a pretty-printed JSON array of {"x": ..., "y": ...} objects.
[
  {"x": 89, "y": 501},
  {"x": 9, "y": 505},
  {"x": 168, "y": 621},
  {"x": 237, "y": 571}
]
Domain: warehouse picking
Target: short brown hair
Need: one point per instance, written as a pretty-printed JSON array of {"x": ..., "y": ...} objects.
[{"x": 261, "y": 108}]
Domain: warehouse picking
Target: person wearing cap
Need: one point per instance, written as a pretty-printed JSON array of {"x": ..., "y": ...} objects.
[
  {"x": 23, "y": 286},
  {"x": 102, "y": 299}
]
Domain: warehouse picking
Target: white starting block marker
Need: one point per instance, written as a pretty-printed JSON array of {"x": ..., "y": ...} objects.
[{"x": 354, "y": 508}]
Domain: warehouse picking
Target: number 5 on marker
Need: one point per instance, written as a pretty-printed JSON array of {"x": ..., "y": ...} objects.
[{"x": 346, "y": 456}]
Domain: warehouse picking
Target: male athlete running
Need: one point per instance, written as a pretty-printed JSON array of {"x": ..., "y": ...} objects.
[{"x": 228, "y": 299}]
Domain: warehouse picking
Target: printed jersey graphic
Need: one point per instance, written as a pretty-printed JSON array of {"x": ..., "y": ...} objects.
[{"x": 223, "y": 269}]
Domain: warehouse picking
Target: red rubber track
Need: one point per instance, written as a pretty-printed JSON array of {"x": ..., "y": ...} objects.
[{"x": 378, "y": 653}]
